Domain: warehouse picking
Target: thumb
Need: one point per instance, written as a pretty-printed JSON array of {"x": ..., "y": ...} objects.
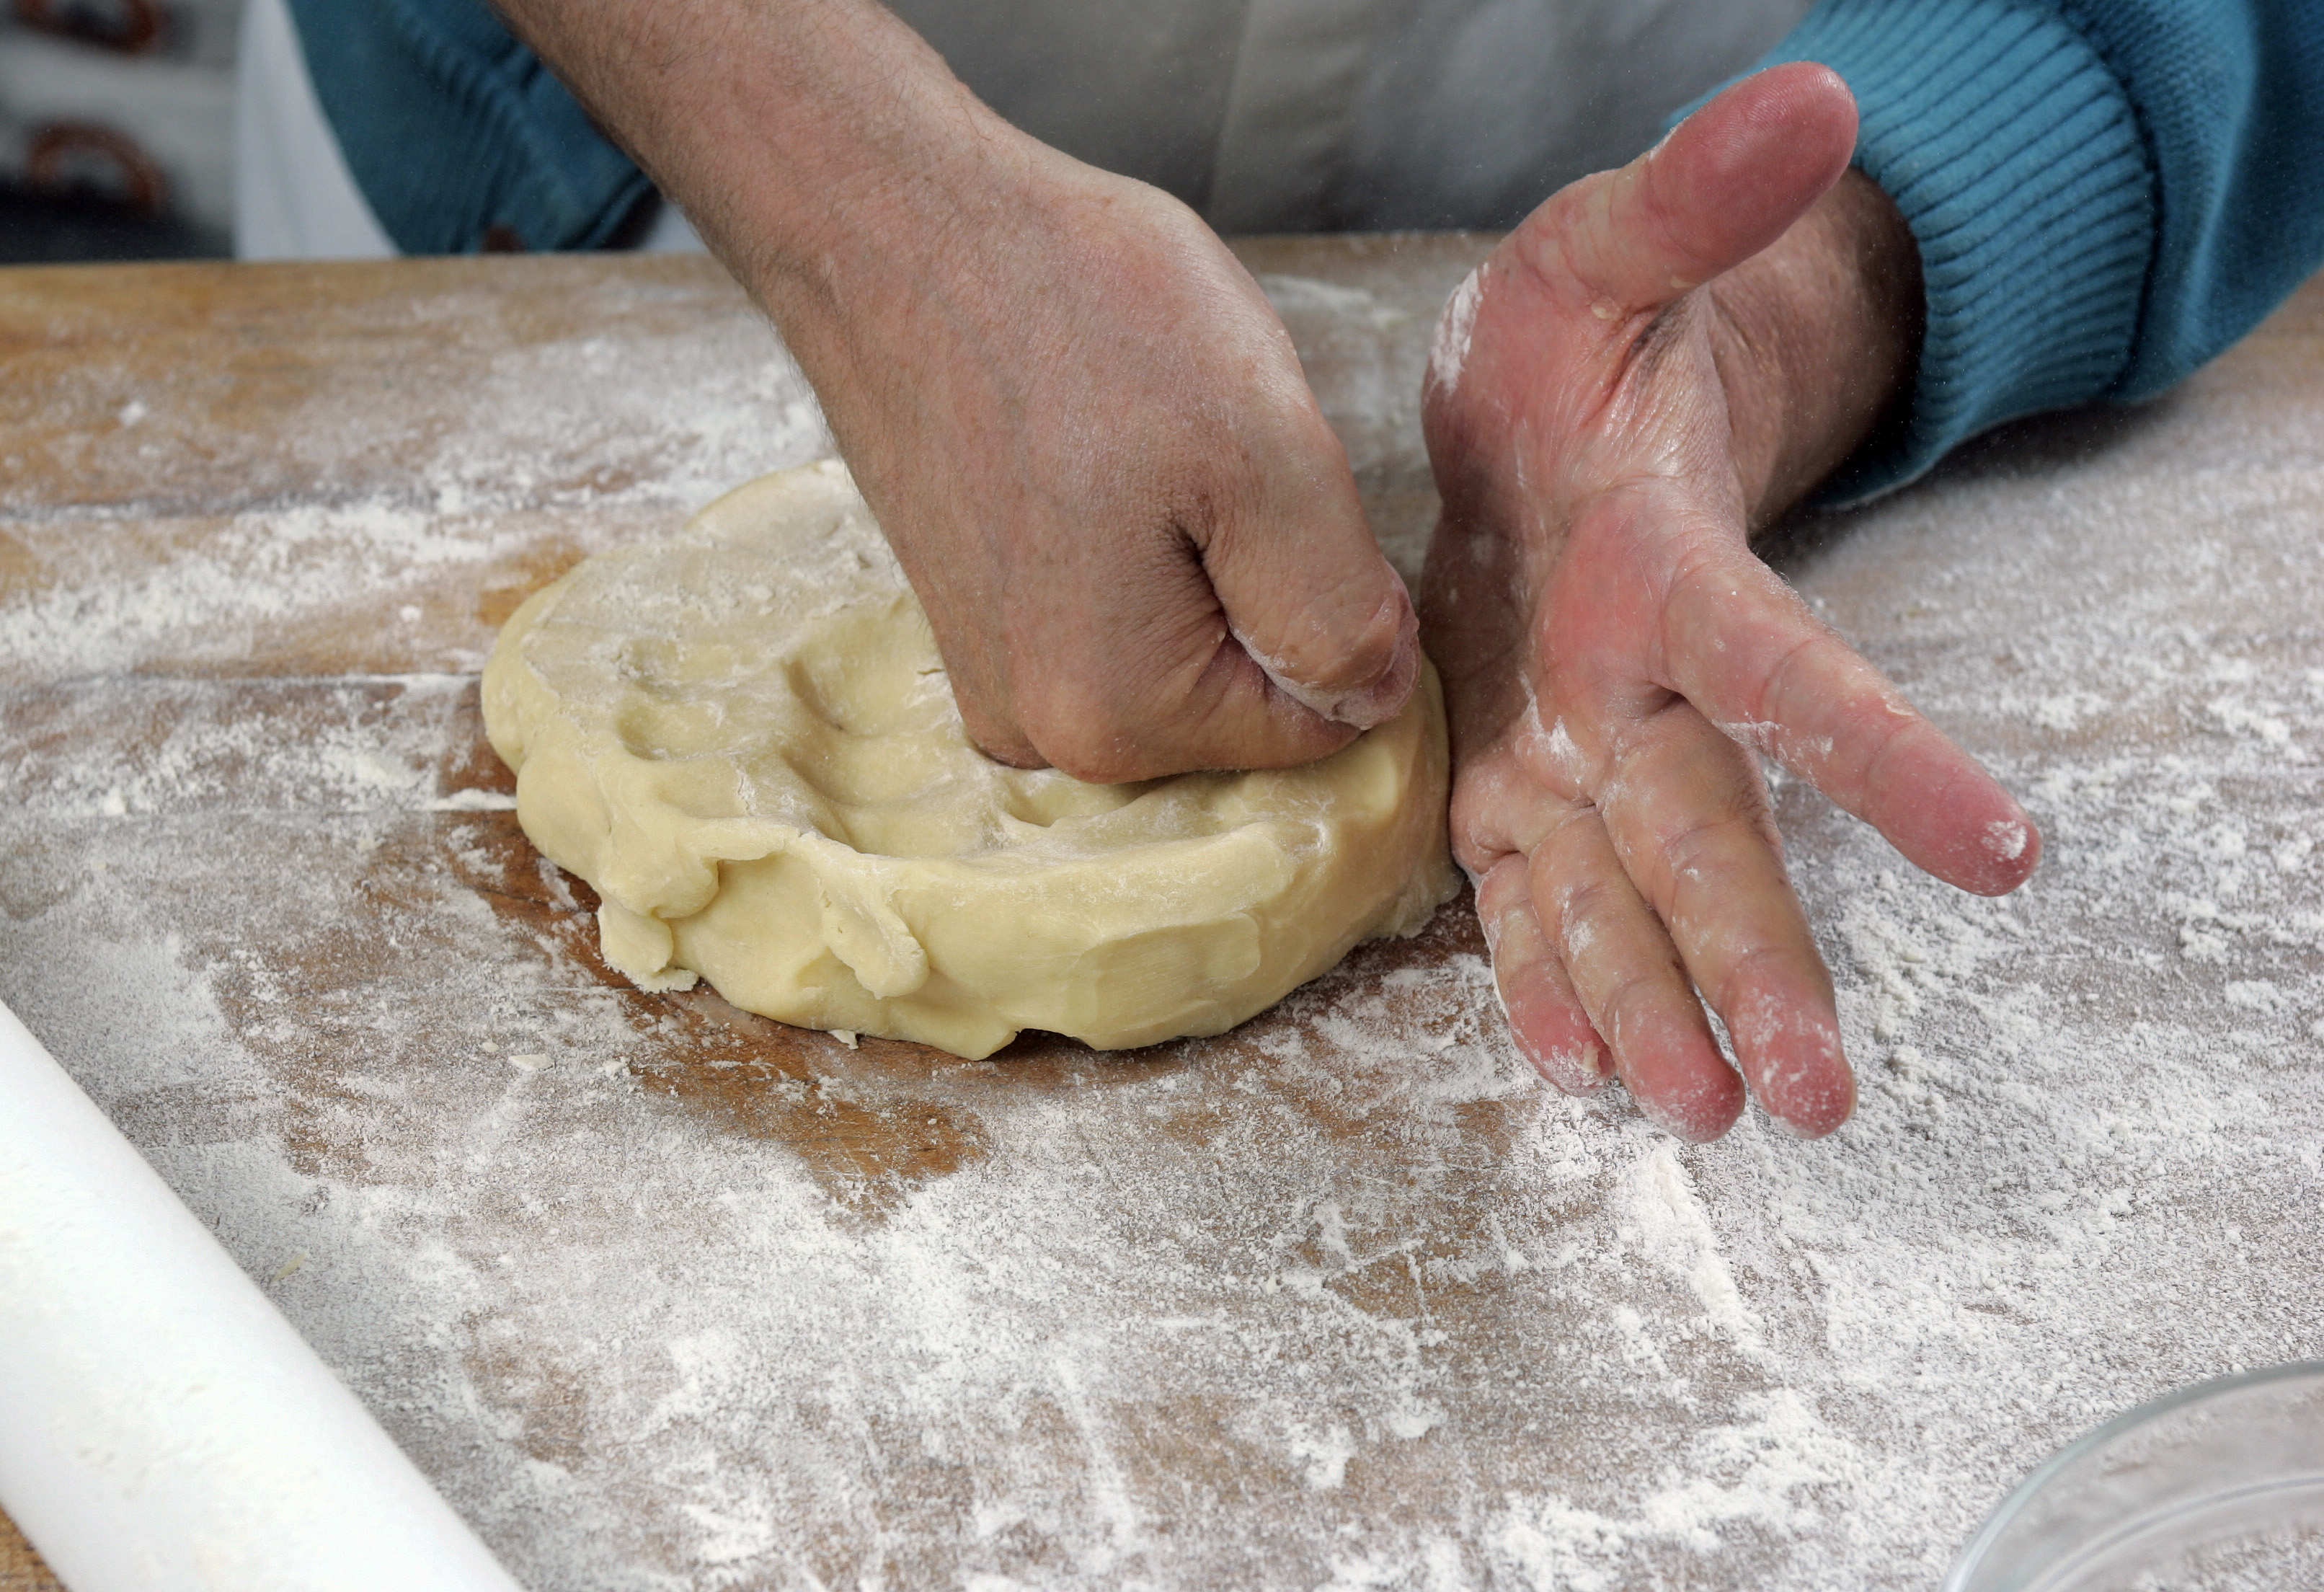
[
  {"x": 1727, "y": 182},
  {"x": 1311, "y": 600}
]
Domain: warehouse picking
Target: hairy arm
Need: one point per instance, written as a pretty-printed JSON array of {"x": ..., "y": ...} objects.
[{"x": 1085, "y": 432}]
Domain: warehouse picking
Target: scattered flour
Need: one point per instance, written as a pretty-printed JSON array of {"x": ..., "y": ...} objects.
[
  {"x": 1449, "y": 353},
  {"x": 1344, "y": 1299}
]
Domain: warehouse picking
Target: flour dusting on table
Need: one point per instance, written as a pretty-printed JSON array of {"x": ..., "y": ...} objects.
[{"x": 663, "y": 1296}]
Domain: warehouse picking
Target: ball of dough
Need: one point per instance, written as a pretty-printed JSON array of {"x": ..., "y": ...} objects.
[{"x": 744, "y": 737}]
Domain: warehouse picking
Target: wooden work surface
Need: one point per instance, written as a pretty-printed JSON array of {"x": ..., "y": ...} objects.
[{"x": 662, "y": 1294}]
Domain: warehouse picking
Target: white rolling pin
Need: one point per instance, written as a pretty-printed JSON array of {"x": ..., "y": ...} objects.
[{"x": 161, "y": 1427}]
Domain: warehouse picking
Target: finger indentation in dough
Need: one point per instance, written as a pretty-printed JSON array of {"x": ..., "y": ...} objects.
[{"x": 744, "y": 737}]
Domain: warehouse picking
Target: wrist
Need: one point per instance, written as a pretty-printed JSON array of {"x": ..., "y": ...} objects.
[{"x": 1823, "y": 334}]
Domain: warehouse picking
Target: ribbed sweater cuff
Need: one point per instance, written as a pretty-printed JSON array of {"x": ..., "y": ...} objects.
[{"x": 2015, "y": 156}]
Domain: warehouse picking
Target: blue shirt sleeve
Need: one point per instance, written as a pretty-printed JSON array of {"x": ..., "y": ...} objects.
[
  {"x": 2106, "y": 193},
  {"x": 459, "y": 138}
]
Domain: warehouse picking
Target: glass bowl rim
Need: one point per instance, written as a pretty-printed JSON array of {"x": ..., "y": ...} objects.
[{"x": 2195, "y": 1393}]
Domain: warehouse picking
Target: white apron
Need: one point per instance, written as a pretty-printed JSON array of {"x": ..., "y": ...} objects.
[{"x": 1265, "y": 116}]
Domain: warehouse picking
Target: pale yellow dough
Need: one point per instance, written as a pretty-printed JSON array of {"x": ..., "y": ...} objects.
[{"x": 743, "y": 737}]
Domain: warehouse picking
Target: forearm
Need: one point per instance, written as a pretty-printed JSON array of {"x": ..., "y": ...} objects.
[
  {"x": 1083, "y": 428},
  {"x": 1822, "y": 334},
  {"x": 810, "y": 142}
]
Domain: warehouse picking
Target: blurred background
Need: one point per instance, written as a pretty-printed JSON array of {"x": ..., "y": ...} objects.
[{"x": 117, "y": 129}]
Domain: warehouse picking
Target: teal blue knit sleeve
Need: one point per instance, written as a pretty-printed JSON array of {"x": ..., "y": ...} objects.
[
  {"x": 2104, "y": 194},
  {"x": 459, "y": 138}
]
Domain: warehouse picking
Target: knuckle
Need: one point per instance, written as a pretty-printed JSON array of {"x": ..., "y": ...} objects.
[
  {"x": 1091, "y": 755},
  {"x": 1702, "y": 849},
  {"x": 1005, "y": 745},
  {"x": 1632, "y": 1002},
  {"x": 1080, "y": 733},
  {"x": 1904, "y": 730},
  {"x": 1586, "y": 910},
  {"x": 992, "y": 728},
  {"x": 1375, "y": 645}
]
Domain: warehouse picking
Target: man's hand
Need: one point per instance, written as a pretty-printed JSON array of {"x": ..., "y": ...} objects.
[
  {"x": 1657, "y": 359},
  {"x": 1086, "y": 434},
  {"x": 1093, "y": 448}
]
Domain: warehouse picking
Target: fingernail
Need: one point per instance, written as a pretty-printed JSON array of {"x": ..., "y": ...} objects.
[
  {"x": 1698, "y": 1120},
  {"x": 1580, "y": 1070},
  {"x": 1362, "y": 708},
  {"x": 2007, "y": 839},
  {"x": 1675, "y": 1126},
  {"x": 1385, "y": 697}
]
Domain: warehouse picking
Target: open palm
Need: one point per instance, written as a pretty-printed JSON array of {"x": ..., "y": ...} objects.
[{"x": 1599, "y": 414}]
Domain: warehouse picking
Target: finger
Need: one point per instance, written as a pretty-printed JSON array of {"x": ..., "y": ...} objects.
[
  {"x": 1689, "y": 818},
  {"x": 1730, "y": 181},
  {"x": 1265, "y": 631},
  {"x": 1304, "y": 589},
  {"x": 1630, "y": 982},
  {"x": 1159, "y": 688},
  {"x": 1127, "y": 667},
  {"x": 1545, "y": 1017},
  {"x": 1742, "y": 645}
]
